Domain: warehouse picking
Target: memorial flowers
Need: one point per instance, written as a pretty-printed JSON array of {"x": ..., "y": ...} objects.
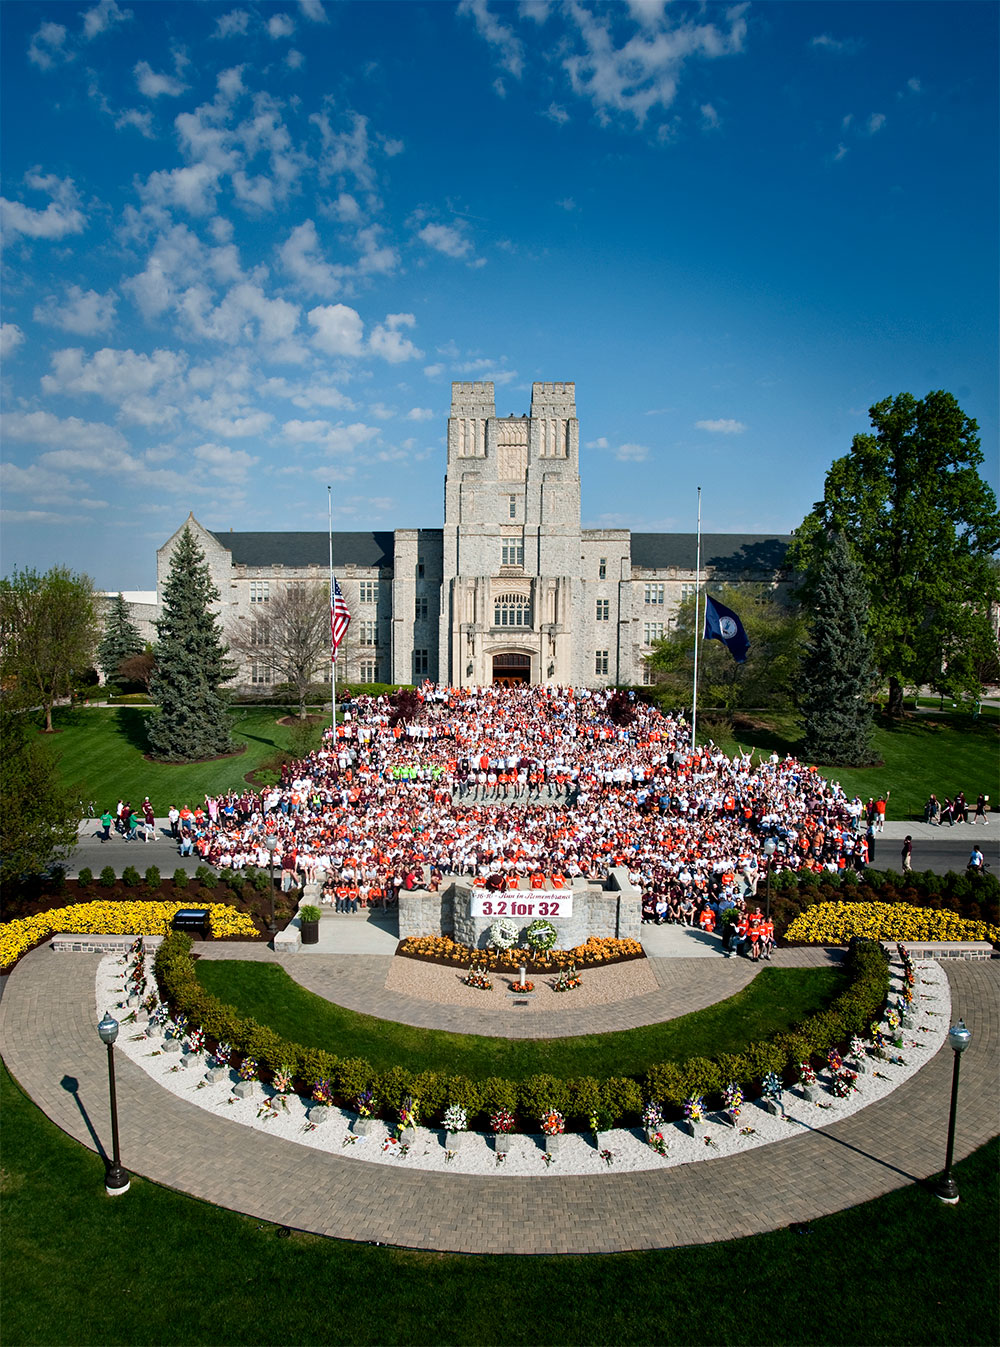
[
  {"x": 834, "y": 1060},
  {"x": 478, "y": 978},
  {"x": 366, "y": 1103},
  {"x": 732, "y": 1098},
  {"x": 409, "y": 1114},
  {"x": 322, "y": 1093},
  {"x": 694, "y": 1109},
  {"x": 541, "y": 935},
  {"x": 502, "y": 1120},
  {"x": 282, "y": 1080},
  {"x": 657, "y": 1141},
  {"x": 553, "y": 1123},
  {"x": 222, "y": 1054},
  {"x": 568, "y": 980},
  {"x": 455, "y": 1118},
  {"x": 844, "y": 1083},
  {"x": 504, "y": 933},
  {"x": 652, "y": 1116},
  {"x": 248, "y": 1069},
  {"x": 196, "y": 1040}
]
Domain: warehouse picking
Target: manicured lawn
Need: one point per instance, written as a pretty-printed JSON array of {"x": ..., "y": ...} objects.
[
  {"x": 100, "y": 753},
  {"x": 158, "y": 1267},
  {"x": 777, "y": 999},
  {"x": 943, "y": 754}
]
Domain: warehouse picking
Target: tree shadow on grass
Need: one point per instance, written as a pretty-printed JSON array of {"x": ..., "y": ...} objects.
[{"x": 131, "y": 724}]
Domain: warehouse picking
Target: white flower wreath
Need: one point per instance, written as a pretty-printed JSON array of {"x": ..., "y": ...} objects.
[{"x": 504, "y": 933}]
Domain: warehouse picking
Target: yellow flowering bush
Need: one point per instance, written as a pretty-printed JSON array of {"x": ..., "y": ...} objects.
[
  {"x": 109, "y": 918},
  {"x": 840, "y": 922},
  {"x": 597, "y": 950}
]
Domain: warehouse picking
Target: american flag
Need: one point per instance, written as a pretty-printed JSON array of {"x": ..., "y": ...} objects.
[{"x": 340, "y": 619}]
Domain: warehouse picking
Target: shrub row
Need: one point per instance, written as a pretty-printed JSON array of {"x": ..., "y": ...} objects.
[
  {"x": 974, "y": 897},
  {"x": 668, "y": 1083}
]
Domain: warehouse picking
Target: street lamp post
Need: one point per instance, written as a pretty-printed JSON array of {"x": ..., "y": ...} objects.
[
  {"x": 271, "y": 842},
  {"x": 116, "y": 1179},
  {"x": 769, "y": 849},
  {"x": 959, "y": 1039}
]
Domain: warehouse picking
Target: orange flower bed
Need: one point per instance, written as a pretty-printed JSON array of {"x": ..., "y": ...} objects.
[{"x": 596, "y": 952}]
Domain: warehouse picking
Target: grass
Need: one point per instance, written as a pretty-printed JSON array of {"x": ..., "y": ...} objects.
[
  {"x": 921, "y": 755},
  {"x": 100, "y": 755},
  {"x": 156, "y": 1266},
  {"x": 776, "y": 1000}
]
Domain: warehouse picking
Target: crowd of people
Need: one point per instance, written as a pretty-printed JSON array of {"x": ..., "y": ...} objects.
[
  {"x": 952, "y": 811},
  {"x": 530, "y": 787}
]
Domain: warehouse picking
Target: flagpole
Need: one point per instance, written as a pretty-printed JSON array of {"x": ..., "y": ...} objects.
[
  {"x": 333, "y": 652},
  {"x": 697, "y": 629}
]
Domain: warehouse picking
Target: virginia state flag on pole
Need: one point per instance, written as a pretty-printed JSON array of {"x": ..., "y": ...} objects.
[{"x": 722, "y": 624}]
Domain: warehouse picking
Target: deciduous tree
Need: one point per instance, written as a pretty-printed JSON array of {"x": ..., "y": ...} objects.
[
  {"x": 48, "y": 625},
  {"x": 923, "y": 526},
  {"x": 193, "y": 720},
  {"x": 38, "y": 816},
  {"x": 290, "y": 637}
]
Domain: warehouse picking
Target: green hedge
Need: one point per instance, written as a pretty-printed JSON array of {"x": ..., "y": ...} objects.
[
  {"x": 974, "y": 897},
  {"x": 668, "y": 1083}
]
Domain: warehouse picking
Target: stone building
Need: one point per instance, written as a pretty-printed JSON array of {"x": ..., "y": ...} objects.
[{"x": 511, "y": 589}]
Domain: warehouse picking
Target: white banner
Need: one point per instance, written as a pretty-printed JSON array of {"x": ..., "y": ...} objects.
[{"x": 520, "y": 903}]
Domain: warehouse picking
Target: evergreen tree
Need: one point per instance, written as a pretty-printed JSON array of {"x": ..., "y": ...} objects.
[
  {"x": 838, "y": 671},
  {"x": 121, "y": 639},
  {"x": 191, "y": 664}
]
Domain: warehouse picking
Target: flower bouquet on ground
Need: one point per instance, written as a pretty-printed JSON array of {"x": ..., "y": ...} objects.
[
  {"x": 553, "y": 1125},
  {"x": 478, "y": 978},
  {"x": 771, "y": 1090},
  {"x": 878, "y": 1040},
  {"x": 524, "y": 987},
  {"x": 834, "y": 1061},
  {"x": 456, "y": 1123},
  {"x": 807, "y": 1081},
  {"x": 652, "y": 1116},
  {"x": 366, "y": 1103},
  {"x": 502, "y": 1122},
  {"x": 222, "y": 1054},
  {"x": 409, "y": 1115},
  {"x": 658, "y": 1142},
  {"x": 568, "y": 980},
  {"x": 732, "y": 1101},
  {"x": 196, "y": 1041},
  {"x": 322, "y": 1093},
  {"x": 248, "y": 1070},
  {"x": 844, "y": 1083}
]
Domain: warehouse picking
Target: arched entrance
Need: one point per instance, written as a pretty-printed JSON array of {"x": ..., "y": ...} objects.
[{"x": 511, "y": 670}]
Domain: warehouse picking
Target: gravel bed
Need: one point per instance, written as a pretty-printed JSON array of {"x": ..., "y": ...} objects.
[
  {"x": 600, "y": 986},
  {"x": 578, "y": 1154}
]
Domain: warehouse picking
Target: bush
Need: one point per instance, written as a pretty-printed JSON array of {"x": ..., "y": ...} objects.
[
  {"x": 107, "y": 878},
  {"x": 153, "y": 877},
  {"x": 85, "y": 878},
  {"x": 622, "y": 1097},
  {"x": 180, "y": 879},
  {"x": 585, "y": 1097},
  {"x": 499, "y": 1093},
  {"x": 541, "y": 1092},
  {"x": 236, "y": 879},
  {"x": 131, "y": 877},
  {"x": 206, "y": 877}
]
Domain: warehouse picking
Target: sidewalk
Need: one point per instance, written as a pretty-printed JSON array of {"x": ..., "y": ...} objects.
[{"x": 49, "y": 1041}]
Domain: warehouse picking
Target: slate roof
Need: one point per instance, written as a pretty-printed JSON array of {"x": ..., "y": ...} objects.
[
  {"x": 729, "y": 552},
  {"x": 297, "y": 550}
]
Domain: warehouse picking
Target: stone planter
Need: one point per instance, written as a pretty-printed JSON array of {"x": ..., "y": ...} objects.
[
  {"x": 319, "y": 1113},
  {"x": 191, "y": 1059},
  {"x": 501, "y": 1142},
  {"x": 861, "y": 1065},
  {"x": 772, "y": 1106},
  {"x": 172, "y": 1045},
  {"x": 452, "y": 1140},
  {"x": 244, "y": 1089},
  {"x": 154, "y": 1030},
  {"x": 215, "y": 1074},
  {"x": 602, "y": 1140},
  {"x": 552, "y": 1144},
  {"x": 810, "y": 1093},
  {"x": 695, "y": 1129},
  {"x": 363, "y": 1127}
]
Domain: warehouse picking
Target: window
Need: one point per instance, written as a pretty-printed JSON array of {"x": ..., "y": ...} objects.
[
  {"x": 421, "y": 663},
  {"x": 604, "y": 610},
  {"x": 260, "y": 673},
  {"x": 293, "y": 585},
  {"x": 369, "y": 671},
  {"x": 653, "y": 594},
  {"x": 421, "y": 609},
  {"x": 260, "y": 591},
  {"x": 512, "y": 610},
  {"x": 688, "y": 592},
  {"x": 512, "y": 507},
  {"x": 258, "y": 632},
  {"x": 512, "y": 553},
  {"x": 602, "y": 568},
  {"x": 648, "y": 676},
  {"x": 652, "y": 631},
  {"x": 368, "y": 591},
  {"x": 600, "y": 661},
  {"x": 367, "y": 633},
  {"x": 420, "y": 568}
]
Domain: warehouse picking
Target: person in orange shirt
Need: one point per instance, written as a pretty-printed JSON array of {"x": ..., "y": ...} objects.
[
  {"x": 706, "y": 919},
  {"x": 767, "y": 939}
]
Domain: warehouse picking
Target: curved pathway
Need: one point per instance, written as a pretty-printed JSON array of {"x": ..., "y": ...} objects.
[{"x": 49, "y": 1041}]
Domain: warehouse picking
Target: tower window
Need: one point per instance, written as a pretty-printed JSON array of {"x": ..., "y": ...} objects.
[
  {"x": 512, "y": 506},
  {"x": 512, "y": 610},
  {"x": 512, "y": 553},
  {"x": 604, "y": 610},
  {"x": 601, "y": 658},
  {"x": 602, "y": 568}
]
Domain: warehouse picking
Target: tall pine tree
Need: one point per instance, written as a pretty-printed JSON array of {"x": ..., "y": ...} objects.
[
  {"x": 191, "y": 664},
  {"x": 838, "y": 672},
  {"x": 121, "y": 639}
]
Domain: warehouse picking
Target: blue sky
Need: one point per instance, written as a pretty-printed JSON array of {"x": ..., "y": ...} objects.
[{"x": 249, "y": 246}]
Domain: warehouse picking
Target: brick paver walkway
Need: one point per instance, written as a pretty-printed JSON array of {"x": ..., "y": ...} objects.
[{"x": 49, "y": 1041}]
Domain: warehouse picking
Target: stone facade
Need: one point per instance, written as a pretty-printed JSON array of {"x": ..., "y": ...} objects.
[{"x": 511, "y": 588}]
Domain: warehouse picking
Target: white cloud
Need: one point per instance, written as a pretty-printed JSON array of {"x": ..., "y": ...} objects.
[
  {"x": 334, "y": 438},
  {"x": 499, "y": 88},
  {"x": 420, "y": 414},
  {"x": 339, "y": 329},
  {"x": 388, "y": 342},
  {"x": 294, "y": 58},
  {"x": 72, "y": 435},
  {"x": 839, "y": 153},
  {"x": 302, "y": 257},
  {"x": 48, "y": 46},
  {"x": 11, "y": 338},
  {"x": 233, "y": 24},
  {"x": 723, "y": 426},
  {"x": 567, "y": 204},
  {"x": 346, "y": 209},
  {"x": 280, "y": 25},
  {"x": 102, "y": 16},
  {"x": 83, "y": 312},
  {"x": 381, "y": 411},
  {"x": 345, "y": 153},
  {"x": 60, "y": 217},
  {"x": 837, "y": 45},
  {"x": 193, "y": 189},
  {"x": 557, "y": 113},
  {"x": 114, "y": 375},
  {"x": 875, "y": 123},
  {"x": 508, "y": 47},
  {"x": 45, "y": 486},
  {"x": 154, "y": 85},
  {"x": 232, "y": 465},
  {"x": 141, "y": 120},
  {"x": 600, "y": 443},
  {"x": 631, "y": 453},
  {"x": 709, "y": 117},
  {"x": 313, "y": 11},
  {"x": 434, "y": 371},
  {"x": 445, "y": 239},
  {"x": 483, "y": 368},
  {"x": 913, "y": 85}
]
